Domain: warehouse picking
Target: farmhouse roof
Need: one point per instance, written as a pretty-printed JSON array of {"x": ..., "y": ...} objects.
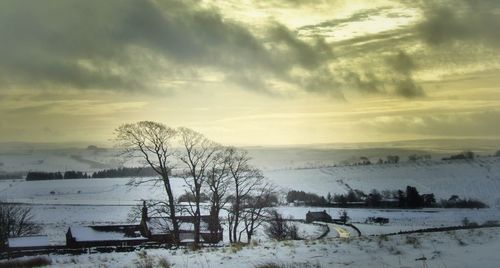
[
  {"x": 106, "y": 233},
  {"x": 29, "y": 241}
]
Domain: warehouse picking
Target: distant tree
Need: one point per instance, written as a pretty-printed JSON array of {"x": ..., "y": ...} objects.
[
  {"x": 343, "y": 216},
  {"x": 413, "y": 198},
  {"x": 352, "y": 196},
  {"x": 401, "y": 196},
  {"x": 329, "y": 198},
  {"x": 466, "y": 155},
  {"x": 497, "y": 153},
  {"x": 392, "y": 159},
  {"x": 428, "y": 200},
  {"x": 456, "y": 202},
  {"x": 373, "y": 199},
  {"x": 15, "y": 220},
  {"x": 340, "y": 199}
]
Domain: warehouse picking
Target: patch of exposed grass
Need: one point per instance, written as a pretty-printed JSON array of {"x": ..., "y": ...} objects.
[
  {"x": 163, "y": 262},
  {"x": 236, "y": 247},
  {"x": 287, "y": 265},
  {"x": 411, "y": 240},
  {"x": 26, "y": 263}
]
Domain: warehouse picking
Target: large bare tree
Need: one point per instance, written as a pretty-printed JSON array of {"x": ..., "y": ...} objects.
[
  {"x": 197, "y": 154},
  {"x": 152, "y": 142}
]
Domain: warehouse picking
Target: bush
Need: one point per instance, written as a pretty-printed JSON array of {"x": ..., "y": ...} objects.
[
  {"x": 164, "y": 263},
  {"x": 280, "y": 229}
]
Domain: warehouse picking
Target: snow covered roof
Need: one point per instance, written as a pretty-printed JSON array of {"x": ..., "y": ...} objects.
[
  {"x": 106, "y": 233},
  {"x": 29, "y": 241}
]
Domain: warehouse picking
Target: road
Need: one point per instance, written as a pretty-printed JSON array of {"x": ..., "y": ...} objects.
[{"x": 342, "y": 233}]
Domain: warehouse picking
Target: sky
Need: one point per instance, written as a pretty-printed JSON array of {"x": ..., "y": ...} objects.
[{"x": 275, "y": 72}]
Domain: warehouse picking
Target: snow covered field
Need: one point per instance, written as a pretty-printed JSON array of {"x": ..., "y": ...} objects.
[
  {"x": 469, "y": 179},
  {"x": 464, "y": 248},
  {"x": 63, "y": 203}
]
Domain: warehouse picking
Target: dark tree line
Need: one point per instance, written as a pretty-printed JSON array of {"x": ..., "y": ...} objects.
[
  {"x": 11, "y": 176},
  {"x": 123, "y": 172},
  {"x": 39, "y": 176},
  {"x": 409, "y": 198},
  {"x": 309, "y": 199},
  {"x": 467, "y": 155}
]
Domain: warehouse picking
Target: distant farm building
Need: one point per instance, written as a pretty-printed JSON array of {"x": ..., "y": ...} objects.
[{"x": 318, "y": 216}]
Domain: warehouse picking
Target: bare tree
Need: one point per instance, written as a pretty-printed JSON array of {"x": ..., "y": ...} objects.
[
  {"x": 256, "y": 209},
  {"x": 219, "y": 183},
  {"x": 198, "y": 155},
  {"x": 246, "y": 180},
  {"x": 151, "y": 142},
  {"x": 15, "y": 220}
]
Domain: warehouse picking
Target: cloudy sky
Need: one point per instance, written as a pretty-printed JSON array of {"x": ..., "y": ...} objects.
[{"x": 251, "y": 72}]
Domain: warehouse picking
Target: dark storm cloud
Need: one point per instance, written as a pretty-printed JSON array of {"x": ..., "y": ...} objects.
[
  {"x": 127, "y": 45},
  {"x": 86, "y": 44},
  {"x": 132, "y": 45},
  {"x": 475, "y": 21},
  {"x": 403, "y": 66}
]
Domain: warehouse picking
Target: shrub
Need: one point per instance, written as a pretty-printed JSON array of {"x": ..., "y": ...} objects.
[
  {"x": 280, "y": 229},
  {"x": 413, "y": 241},
  {"x": 144, "y": 260},
  {"x": 164, "y": 263}
]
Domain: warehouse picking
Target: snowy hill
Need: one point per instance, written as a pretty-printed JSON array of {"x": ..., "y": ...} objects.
[{"x": 479, "y": 178}]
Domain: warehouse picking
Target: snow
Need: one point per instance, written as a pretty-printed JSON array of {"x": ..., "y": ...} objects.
[
  {"x": 478, "y": 179},
  {"x": 82, "y": 203},
  {"x": 464, "y": 248},
  {"x": 29, "y": 241}
]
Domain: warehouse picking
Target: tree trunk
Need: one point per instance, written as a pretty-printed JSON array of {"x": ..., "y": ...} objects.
[
  {"x": 171, "y": 206},
  {"x": 197, "y": 217}
]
